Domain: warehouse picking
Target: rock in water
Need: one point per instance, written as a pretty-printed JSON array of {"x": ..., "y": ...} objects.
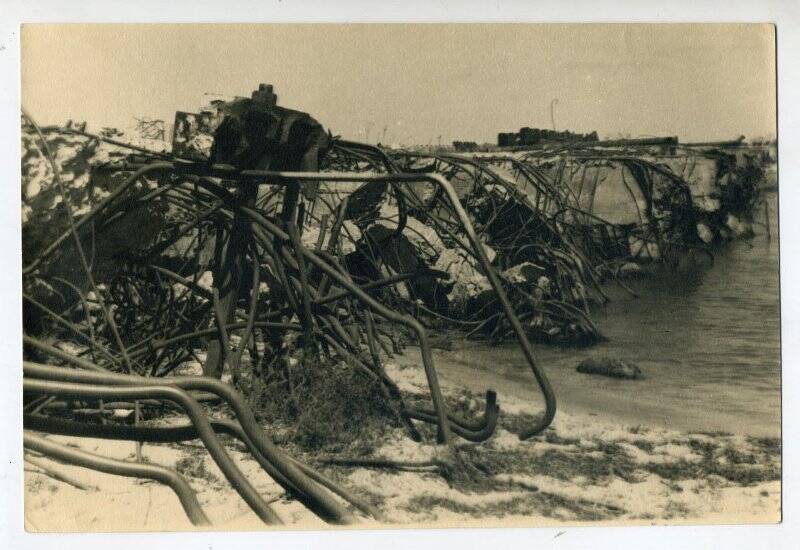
[{"x": 614, "y": 368}]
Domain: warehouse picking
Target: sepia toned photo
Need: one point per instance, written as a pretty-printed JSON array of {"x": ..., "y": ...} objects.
[{"x": 312, "y": 276}]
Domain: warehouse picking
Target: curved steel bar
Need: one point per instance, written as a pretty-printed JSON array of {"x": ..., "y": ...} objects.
[
  {"x": 119, "y": 432},
  {"x": 480, "y": 254},
  {"x": 410, "y": 322},
  {"x": 133, "y": 178},
  {"x": 310, "y": 495},
  {"x": 425, "y": 349},
  {"x": 192, "y": 408},
  {"x": 490, "y": 409},
  {"x": 473, "y": 436},
  {"x": 284, "y": 178},
  {"x": 475, "y": 432},
  {"x": 176, "y": 434},
  {"x": 161, "y": 474},
  {"x": 146, "y": 434}
]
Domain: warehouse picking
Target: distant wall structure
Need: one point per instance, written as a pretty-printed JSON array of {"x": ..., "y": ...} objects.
[
  {"x": 465, "y": 146},
  {"x": 535, "y": 136}
]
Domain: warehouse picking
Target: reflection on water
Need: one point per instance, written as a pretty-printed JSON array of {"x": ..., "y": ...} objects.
[{"x": 708, "y": 343}]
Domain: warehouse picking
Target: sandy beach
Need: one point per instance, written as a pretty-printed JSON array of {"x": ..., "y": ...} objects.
[{"x": 585, "y": 468}]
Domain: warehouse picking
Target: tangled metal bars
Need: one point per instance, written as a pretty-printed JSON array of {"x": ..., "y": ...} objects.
[
  {"x": 190, "y": 406},
  {"x": 258, "y": 176},
  {"x": 307, "y": 491},
  {"x": 296, "y": 478},
  {"x": 176, "y": 434}
]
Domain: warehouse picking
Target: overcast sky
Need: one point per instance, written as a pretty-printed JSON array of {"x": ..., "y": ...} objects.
[{"x": 467, "y": 82}]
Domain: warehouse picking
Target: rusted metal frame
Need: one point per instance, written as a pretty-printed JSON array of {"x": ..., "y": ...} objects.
[
  {"x": 541, "y": 378},
  {"x": 643, "y": 222},
  {"x": 156, "y": 344},
  {"x": 161, "y": 474},
  {"x": 387, "y": 388},
  {"x": 190, "y": 285},
  {"x": 454, "y": 160},
  {"x": 159, "y": 154},
  {"x": 61, "y": 354},
  {"x": 261, "y": 176},
  {"x": 53, "y": 386},
  {"x": 310, "y": 494},
  {"x": 454, "y": 163},
  {"x": 413, "y": 324}
]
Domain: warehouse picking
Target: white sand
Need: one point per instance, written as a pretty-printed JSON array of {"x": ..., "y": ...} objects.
[{"x": 570, "y": 475}]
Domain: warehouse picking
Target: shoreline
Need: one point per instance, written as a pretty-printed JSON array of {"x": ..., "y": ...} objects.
[
  {"x": 582, "y": 470},
  {"x": 474, "y": 365}
]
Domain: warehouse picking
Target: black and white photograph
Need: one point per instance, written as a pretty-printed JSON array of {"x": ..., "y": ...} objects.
[{"x": 399, "y": 275}]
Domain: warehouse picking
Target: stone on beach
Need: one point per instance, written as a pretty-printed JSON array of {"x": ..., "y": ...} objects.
[{"x": 614, "y": 368}]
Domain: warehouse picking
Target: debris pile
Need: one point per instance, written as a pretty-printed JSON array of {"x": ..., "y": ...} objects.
[
  {"x": 220, "y": 265},
  {"x": 289, "y": 262}
]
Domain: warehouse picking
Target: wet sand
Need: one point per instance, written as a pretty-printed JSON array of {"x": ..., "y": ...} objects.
[{"x": 645, "y": 402}]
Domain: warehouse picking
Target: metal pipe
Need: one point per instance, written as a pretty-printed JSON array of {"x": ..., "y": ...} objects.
[
  {"x": 176, "y": 434},
  {"x": 490, "y": 409},
  {"x": 425, "y": 350},
  {"x": 286, "y": 178},
  {"x": 179, "y": 397},
  {"x": 161, "y": 474},
  {"x": 314, "y": 497},
  {"x": 480, "y": 253}
]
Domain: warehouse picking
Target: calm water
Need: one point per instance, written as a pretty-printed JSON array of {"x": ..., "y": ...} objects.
[{"x": 708, "y": 343}]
